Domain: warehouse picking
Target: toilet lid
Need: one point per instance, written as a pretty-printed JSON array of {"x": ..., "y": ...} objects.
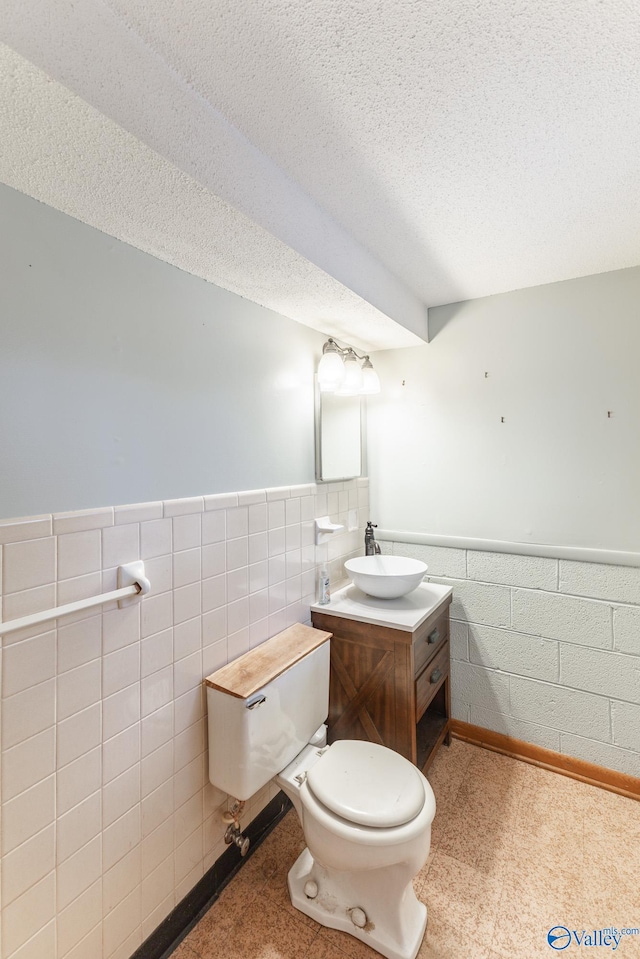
[{"x": 367, "y": 784}]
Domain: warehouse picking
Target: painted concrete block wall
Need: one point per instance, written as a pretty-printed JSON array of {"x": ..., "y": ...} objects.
[
  {"x": 545, "y": 650},
  {"x": 124, "y": 379},
  {"x": 498, "y": 429},
  {"x": 108, "y": 818}
]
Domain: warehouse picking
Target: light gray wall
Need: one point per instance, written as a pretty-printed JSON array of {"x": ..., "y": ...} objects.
[
  {"x": 558, "y": 470},
  {"x": 123, "y": 379}
]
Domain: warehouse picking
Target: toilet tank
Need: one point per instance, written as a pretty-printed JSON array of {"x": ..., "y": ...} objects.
[{"x": 264, "y": 707}]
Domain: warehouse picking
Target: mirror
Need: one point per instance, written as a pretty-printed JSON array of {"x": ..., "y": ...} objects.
[{"x": 339, "y": 436}]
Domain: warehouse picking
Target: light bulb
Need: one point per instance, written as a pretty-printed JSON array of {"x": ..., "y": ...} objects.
[
  {"x": 371, "y": 382},
  {"x": 370, "y": 379},
  {"x": 352, "y": 382},
  {"x": 330, "y": 371}
]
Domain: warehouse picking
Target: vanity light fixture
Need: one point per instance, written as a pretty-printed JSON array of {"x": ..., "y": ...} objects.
[{"x": 340, "y": 372}]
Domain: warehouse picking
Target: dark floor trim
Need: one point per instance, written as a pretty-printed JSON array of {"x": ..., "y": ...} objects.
[{"x": 181, "y": 920}]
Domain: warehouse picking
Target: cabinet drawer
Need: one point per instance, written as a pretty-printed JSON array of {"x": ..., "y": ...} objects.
[
  {"x": 430, "y": 680},
  {"x": 428, "y": 644}
]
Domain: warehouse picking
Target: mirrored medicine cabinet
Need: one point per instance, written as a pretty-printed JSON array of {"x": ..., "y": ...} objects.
[{"x": 340, "y": 436}]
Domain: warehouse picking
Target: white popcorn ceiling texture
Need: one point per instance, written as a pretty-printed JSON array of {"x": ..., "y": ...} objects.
[{"x": 410, "y": 152}]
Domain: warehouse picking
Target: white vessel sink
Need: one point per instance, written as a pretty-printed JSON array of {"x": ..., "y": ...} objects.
[{"x": 386, "y": 577}]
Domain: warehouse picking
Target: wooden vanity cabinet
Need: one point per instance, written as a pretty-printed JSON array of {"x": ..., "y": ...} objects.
[{"x": 389, "y": 685}]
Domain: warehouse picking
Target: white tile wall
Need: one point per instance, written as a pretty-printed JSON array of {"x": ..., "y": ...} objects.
[
  {"x": 108, "y": 818},
  {"x": 544, "y": 650}
]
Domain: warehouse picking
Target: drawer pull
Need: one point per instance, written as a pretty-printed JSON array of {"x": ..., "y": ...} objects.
[
  {"x": 433, "y": 637},
  {"x": 435, "y": 675}
]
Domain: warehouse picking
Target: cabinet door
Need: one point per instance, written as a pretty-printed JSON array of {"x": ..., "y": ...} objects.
[{"x": 362, "y": 697}]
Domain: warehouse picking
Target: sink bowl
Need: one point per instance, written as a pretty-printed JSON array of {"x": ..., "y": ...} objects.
[{"x": 386, "y": 577}]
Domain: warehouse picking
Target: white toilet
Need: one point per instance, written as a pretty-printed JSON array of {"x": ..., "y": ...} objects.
[{"x": 366, "y": 812}]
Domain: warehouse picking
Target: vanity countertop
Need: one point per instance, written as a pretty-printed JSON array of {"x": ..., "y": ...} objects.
[{"x": 406, "y": 613}]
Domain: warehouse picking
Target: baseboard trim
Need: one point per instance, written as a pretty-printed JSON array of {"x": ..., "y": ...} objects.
[
  {"x": 585, "y": 772},
  {"x": 181, "y": 920}
]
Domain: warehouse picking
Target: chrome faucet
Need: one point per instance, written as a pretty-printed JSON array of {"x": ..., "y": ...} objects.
[{"x": 371, "y": 548}]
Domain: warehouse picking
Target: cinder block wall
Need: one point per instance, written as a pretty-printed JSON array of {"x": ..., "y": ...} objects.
[{"x": 545, "y": 650}]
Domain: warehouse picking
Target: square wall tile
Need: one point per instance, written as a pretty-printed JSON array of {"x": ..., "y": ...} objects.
[
  {"x": 156, "y": 690},
  {"x": 187, "y": 637},
  {"x": 79, "y": 642},
  {"x": 258, "y": 518},
  {"x": 187, "y": 674},
  {"x": 27, "y": 763},
  {"x": 157, "y": 846},
  {"x": 189, "y": 744},
  {"x": 120, "y": 838},
  {"x": 156, "y": 769},
  {"x": 214, "y": 656},
  {"x": 156, "y": 729},
  {"x": 120, "y": 752},
  {"x": 120, "y": 795},
  {"x": 79, "y": 553},
  {"x": 78, "y": 826},
  {"x": 159, "y": 572},
  {"x": 237, "y": 522},
  {"x": 186, "y": 603},
  {"x": 27, "y": 713},
  {"x": 120, "y": 544},
  {"x": 214, "y": 527},
  {"x": 156, "y": 614},
  {"x": 27, "y": 914},
  {"x": 157, "y": 886},
  {"x": 28, "y": 663},
  {"x": 27, "y": 814},
  {"x": 188, "y": 708},
  {"x": 79, "y": 688},
  {"x": 187, "y": 531},
  {"x": 27, "y": 864},
  {"x": 122, "y": 879},
  {"x": 156, "y": 807},
  {"x": 121, "y": 627},
  {"x": 214, "y": 592},
  {"x": 188, "y": 781},
  {"x": 79, "y": 872},
  {"x": 120, "y": 669},
  {"x": 122, "y": 923},
  {"x": 29, "y": 564},
  {"x": 88, "y": 947},
  {"x": 237, "y": 583},
  {"x": 155, "y": 538},
  {"x": 78, "y": 734},
  {"x": 120, "y": 711},
  {"x": 238, "y": 643},
  {"x": 214, "y": 626},
  {"x": 74, "y": 922},
  {"x": 156, "y": 652},
  {"x": 186, "y": 567},
  {"x": 78, "y": 780},
  {"x": 214, "y": 560},
  {"x": 276, "y": 515},
  {"x": 237, "y": 552}
]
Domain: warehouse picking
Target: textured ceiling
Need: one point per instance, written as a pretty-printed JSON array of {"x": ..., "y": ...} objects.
[
  {"x": 412, "y": 151},
  {"x": 58, "y": 149}
]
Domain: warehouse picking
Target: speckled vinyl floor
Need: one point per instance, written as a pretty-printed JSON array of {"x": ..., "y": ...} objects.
[{"x": 515, "y": 851}]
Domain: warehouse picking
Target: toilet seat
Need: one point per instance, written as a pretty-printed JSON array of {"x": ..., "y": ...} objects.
[{"x": 367, "y": 785}]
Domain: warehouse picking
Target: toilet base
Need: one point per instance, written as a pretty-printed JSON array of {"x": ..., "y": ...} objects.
[{"x": 394, "y": 929}]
